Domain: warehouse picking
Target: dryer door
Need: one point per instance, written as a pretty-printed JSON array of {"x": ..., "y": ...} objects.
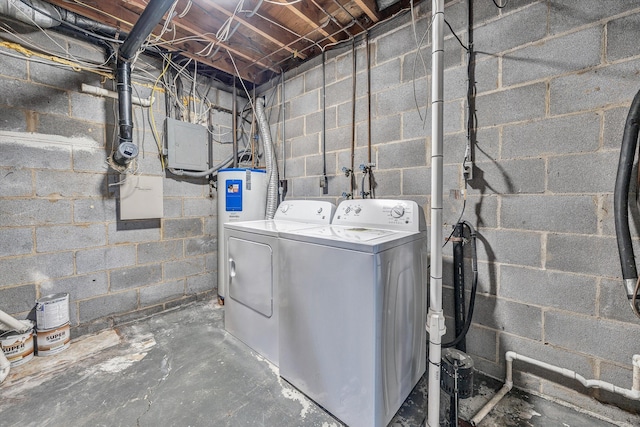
[{"x": 251, "y": 274}]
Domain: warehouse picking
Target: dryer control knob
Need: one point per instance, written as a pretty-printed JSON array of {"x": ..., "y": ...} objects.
[{"x": 397, "y": 211}]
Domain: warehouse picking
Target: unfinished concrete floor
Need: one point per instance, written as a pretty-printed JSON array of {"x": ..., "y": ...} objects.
[{"x": 181, "y": 368}]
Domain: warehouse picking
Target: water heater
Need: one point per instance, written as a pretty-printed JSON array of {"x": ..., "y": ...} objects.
[{"x": 242, "y": 196}]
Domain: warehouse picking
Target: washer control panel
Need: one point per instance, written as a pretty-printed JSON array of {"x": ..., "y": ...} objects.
[
  {"x": 310, "y": 211},
  {"x": 402, "y": 215}
]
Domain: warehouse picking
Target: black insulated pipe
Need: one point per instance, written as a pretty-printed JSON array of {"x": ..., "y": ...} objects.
[
  {"x": 458, "y": 284},
  {"x": 127, "y": 150},
  {"x": 151, "y": 16},
  {"x": 474, "y": 289},
  {"x": 621, "y": 197}
]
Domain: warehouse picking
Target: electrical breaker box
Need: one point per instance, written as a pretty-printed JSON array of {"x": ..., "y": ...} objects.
[{"x": 187, "y": 145}]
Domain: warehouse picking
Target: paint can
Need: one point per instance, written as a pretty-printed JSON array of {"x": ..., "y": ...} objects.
[
  {"x": 17, "y": 347},
  {"x": 53, "y": 341},
  {"x": 52, "y": 311}
]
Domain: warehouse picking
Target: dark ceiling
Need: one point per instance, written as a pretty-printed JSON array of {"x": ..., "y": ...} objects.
[{"x": 255, "y": 39}]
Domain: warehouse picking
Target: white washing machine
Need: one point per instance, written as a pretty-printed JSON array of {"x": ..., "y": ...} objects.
[
  {"x": 353, "y": 309},
  {"x": 251, "y": 306}
]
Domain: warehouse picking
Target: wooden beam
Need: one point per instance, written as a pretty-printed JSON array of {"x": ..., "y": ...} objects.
[
  {"x": 262, "y": 31},
  {"x": 311, "y": 16},
  {"x": 192, "y": 24},
  {"x": 114, "y": 14},
  {"x": 369, "y": 7}
]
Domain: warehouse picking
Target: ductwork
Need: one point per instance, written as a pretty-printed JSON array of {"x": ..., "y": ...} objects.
[
  {"x": 151, "y": 16},
  {"x": 272, "y": 165},
  {"x": 47, "y": 15},
  {"x": 31, "y": 11}
]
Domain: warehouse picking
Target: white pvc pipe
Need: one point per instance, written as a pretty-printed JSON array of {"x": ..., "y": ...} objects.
[
  {"x": 94, "y": 90},
  {"x": 510, "y": 356},
  {"x": 5, "y": 366},
  {"x": 13, "y": 324},
  {"x": 435, "y": 318}
]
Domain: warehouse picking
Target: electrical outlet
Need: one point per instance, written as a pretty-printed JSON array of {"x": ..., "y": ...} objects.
[
  {"x": 467, "y": 173},
  {"x": 322, "y": 181}
]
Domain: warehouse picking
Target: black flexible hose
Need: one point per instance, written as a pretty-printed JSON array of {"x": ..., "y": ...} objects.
[
  {"x": 474, "y": 289},
  {"x": 621, "y": 192}
]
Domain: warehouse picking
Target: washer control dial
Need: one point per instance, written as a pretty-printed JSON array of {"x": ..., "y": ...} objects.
[
  {"x": 284, "y": 208},
  {"x": 397, "y": 211}
]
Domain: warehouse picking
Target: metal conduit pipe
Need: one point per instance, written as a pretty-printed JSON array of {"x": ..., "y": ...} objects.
[
  {"x": 234, "y": 123},
  {"x": 151, "y": 16},
  {"x": 226, "y": 162},
  {"x": 510, "y": 356},
  {"x": 621, "y": 198},
  {"x": 284, "y": 139}
]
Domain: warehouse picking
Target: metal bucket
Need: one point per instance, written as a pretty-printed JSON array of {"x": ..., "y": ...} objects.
[
  {"x": 52, "y": 311},
  {"x": 17, "y": 347},
  {"x": 53, "y": 341}
]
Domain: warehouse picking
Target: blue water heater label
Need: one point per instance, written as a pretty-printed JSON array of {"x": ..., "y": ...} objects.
[{"x": 233, "y": 193}]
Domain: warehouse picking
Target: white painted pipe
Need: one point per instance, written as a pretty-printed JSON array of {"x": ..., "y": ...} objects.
[
  {"x": 510, "y": 356},
  {"x": 13, "y": 324},
  {"x": 435, "y": 317},
  {"x": 5, "y": 366},
  {"x": 94, "y": 90}
]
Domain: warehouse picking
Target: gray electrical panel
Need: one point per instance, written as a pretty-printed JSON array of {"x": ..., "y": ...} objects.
[{"x": 187, "y": 145}]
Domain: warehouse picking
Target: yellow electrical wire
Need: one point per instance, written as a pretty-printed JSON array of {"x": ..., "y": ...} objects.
[
  {"x": 153, "y": 122},
  {"x": 73, "y": 65}
]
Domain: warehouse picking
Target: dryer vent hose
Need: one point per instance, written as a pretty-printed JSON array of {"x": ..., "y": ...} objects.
[{"x": 270, "y": 160}]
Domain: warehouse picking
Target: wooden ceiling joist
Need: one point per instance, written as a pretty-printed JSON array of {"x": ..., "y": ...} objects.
[
  {"x": 278, "y": 35},
  {"x": 369, "y": 8}
]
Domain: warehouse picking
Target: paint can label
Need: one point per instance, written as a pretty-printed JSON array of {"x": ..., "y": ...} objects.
[
  {"x": 18, "y": 348},
  {"x": 52, "y": 341},
  {"x": 52, "y": 311}
]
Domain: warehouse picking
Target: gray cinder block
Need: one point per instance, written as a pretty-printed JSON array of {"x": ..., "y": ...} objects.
[
  {"x": 105, "y": 258},
  {"x": 134, "y": 277},
  {"x": 62, "y": 237}
]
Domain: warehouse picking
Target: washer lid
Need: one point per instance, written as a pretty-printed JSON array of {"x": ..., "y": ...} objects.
[
  {"x": 360, "y": 239},
  {"x": 269, "y": 227}
]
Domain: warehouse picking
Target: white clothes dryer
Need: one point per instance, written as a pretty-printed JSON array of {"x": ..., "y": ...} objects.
[
  {"x": 251, "y": 306},
  {"x": 353, "y": 299}
]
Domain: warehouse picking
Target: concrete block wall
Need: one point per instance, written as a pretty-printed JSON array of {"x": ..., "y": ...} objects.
[
  {"x": 554, "y": 81},
  {"x": 60, "y": 229}
]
